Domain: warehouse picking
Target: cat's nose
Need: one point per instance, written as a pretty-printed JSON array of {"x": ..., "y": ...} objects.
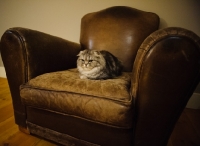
[{"x": 86, "y": 65}]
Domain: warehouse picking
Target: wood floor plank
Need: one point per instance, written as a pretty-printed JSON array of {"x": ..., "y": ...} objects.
[
  {"x": 45, "y": 143},
  {"x": 169, "y": 143},
  {"x": 3, "y": 81},
  {"x": 5, "y": 97},
  {"x": 184, "y": 134},
  {"x": 21, "y": 139},
  {"x": 4, "y": 92},
  {"x": 194, "y": 117},
  {"x": 8, "y": 133},
  {"x": 3, "y": 84},
  {"x": 5, "y": 102},
  {"x": 7, "y": 124},
  {"x": 6, "y": 112}
]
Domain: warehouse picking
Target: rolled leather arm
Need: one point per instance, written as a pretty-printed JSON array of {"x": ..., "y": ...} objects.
[
  {"x": 28, "y": 53},
  {"x": 165, "y": 74}
]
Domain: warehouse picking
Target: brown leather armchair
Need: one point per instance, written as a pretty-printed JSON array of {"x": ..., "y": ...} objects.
[{"x": 140, "y": 108}]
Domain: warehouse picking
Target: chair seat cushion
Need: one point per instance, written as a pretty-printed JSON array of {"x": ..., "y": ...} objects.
[{"x": 104, "y": 101}]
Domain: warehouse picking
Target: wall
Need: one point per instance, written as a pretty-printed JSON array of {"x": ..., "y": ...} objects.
[{"x": 62, "y": 17}]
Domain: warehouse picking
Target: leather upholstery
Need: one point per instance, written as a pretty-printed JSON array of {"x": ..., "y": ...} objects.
[
  {"x": 98, "y": 102},
  {"x": 166, "y": 72},
  {"x": 164, "y": 66},
  {"x": 118, "y": 30},
  {"x": 29, "y": 53},
  {"x": 104, "y": 101}
]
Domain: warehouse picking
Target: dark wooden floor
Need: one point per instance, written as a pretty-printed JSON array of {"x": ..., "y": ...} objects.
[
  {"x": 187, "y": 129},
  {"x": 186, "y": 132}
]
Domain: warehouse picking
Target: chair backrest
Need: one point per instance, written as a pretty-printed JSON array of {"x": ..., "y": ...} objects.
[{"x": 119, "y": 30}]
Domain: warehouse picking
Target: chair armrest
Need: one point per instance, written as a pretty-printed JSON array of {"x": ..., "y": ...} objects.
[
  {"x": 165, "y": 74},
  {"x": 36, "y": 52},
  {"x": 28, "y": 53}
]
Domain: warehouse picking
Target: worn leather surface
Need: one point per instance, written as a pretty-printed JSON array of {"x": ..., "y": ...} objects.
[
  {"x": 116, "y": 89},
  {"x": 63, "y": 139},
  {"x": 120, "y": 30},
  {"x": 166, "y": 72},
  {"x": 78, "y": 128},
  {"x": 28, "y": 53},
  {"x": 105, "y": 101}
]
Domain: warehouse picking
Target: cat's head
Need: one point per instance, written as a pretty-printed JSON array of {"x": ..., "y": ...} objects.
[{"x": 90, "y": 59}]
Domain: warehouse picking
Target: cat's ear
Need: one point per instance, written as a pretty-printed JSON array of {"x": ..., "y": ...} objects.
[
  {"x": 97, "y": 53},
  {"x": 80, "y": 53}
]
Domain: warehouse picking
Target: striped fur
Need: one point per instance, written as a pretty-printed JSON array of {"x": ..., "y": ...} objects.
[{"x": 93, "y": 64}]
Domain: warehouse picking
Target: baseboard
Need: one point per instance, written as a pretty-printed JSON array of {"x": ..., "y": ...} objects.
[
  {"x": 194, "y": 101},
  {"x": 2, "y": 72}
]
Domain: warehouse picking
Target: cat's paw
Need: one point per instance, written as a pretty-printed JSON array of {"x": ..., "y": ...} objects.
[{"x": 83, "y": 77}]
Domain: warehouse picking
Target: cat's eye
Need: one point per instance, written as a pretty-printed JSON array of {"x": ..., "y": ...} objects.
[
  {"x": 90, "y": 60},
  {"x": 82, "y": 60}
]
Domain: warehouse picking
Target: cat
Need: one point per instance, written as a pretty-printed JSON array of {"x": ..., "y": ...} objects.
[{"x": 97, "y": 65}]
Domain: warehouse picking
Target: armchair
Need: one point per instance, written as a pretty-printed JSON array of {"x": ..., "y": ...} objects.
[{"x": 140, "y": 107}]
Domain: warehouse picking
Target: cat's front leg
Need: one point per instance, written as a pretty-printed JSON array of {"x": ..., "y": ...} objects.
[{"x": 83, "y": 77}]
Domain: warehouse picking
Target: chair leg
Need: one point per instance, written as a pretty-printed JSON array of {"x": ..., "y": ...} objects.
[{"x": 24, "y": 130}]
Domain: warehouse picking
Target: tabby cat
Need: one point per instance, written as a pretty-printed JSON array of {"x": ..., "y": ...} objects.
[{"x": 93, "y": 64}]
